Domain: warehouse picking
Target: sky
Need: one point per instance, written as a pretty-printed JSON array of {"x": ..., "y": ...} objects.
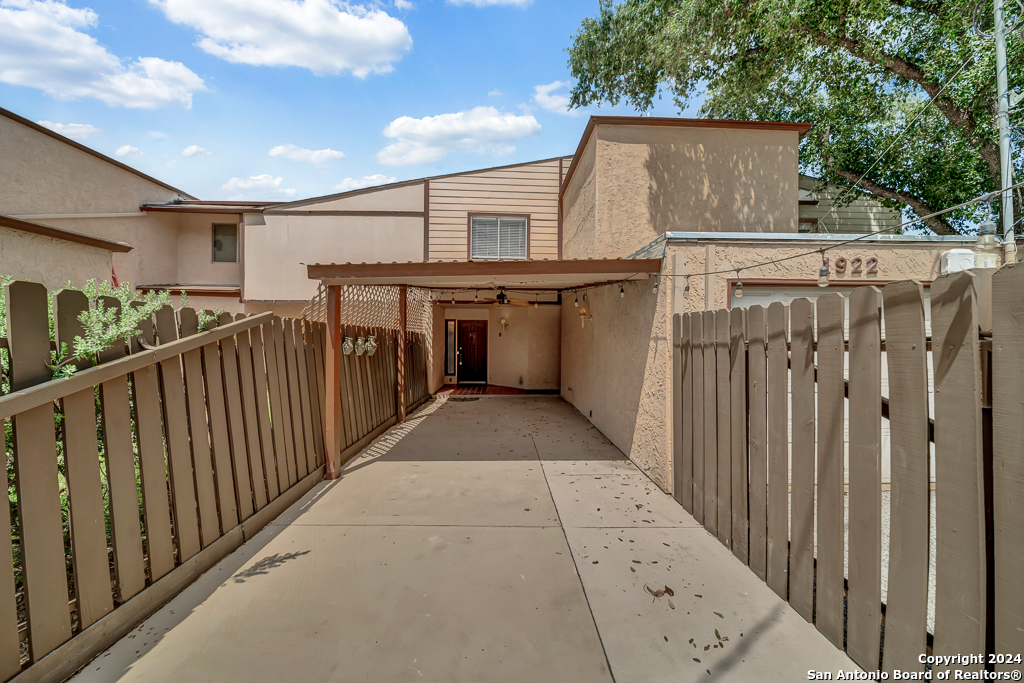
[{"x": 279, "y": 100}]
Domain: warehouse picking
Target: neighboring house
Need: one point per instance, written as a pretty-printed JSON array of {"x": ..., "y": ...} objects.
[
  {"x": 862, "y": 215},
  {"x": 652, "y": 216}
]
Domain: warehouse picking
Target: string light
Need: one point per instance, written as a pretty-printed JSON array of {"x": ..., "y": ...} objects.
[
  {"x": 687, "y": 287},
  {"x": 739, "y": 286},
  {"x": 622, "y": 291},
  {"x": 655, "y": 288},
  {"x": 577, "y": 302},
  {"x": 823, "y": 272},
  {"x": 535, "y": 298},
  {"x": 476, "y": 296}
]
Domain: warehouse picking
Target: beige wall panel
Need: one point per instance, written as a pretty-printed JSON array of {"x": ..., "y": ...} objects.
[
  {"x": 404, "y": 198},
  {"x": 52, "y": 262},
  {"x": 42, "y": 175},
  {"x": 195, "y": 252},
  {"x": 277, "y": 246}
]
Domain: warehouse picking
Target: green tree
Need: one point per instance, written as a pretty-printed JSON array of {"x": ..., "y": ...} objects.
[{"x": 861, "y": 71}]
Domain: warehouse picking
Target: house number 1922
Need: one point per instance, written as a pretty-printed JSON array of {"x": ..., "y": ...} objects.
[{"x": 856, "y": 265}]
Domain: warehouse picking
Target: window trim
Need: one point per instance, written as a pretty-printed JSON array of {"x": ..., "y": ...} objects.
[
  {"x": 495, "y": 214},
  {"x": 213, "y": 242},
  {"x": 451, "y": 346}
]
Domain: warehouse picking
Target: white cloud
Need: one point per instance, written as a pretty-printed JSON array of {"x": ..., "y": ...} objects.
[
  {"x": 481, "y": 129},
  {"x": 43, "y": 45},
  {"x": 75, "y": 131},
  {"x": 558, "y": 102},
  {"x": 324, "y": 36},
  {"x": 195, "y": 151},
  {"x": 349, "y": 184},
  {"x": 312, "y": 156},
  {"x": 490, "y": 3},
  {"x": 158, "y": 135},
  {"x": 494, "y": 93},
  {"x": 127, "y": 151},
  {"x": 404, "y": 5},
  {"x": 258, "y": 184}
]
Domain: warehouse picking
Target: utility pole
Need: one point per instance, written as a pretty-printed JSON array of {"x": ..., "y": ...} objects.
[{"x": 1005, "y": 160}]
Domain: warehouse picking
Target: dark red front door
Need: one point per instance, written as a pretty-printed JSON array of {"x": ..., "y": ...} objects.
[{"x": 472, "y": 351}]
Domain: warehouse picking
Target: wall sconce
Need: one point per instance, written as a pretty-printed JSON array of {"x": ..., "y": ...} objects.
[
  {"x": 360, "y": 346},
  {"x": 346, "y": 346},
  {"x": 371, "y": 345},
  {"x": 504, "y": 325},
  {"x": 584, "y": 317}
]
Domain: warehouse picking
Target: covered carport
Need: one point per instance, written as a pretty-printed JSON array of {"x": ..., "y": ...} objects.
[{"x": 465, "y": 285}]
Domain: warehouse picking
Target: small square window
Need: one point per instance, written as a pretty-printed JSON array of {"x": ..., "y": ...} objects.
[
  {"x": 225, "y": 243},
  {"x": 498, "y": 238}
]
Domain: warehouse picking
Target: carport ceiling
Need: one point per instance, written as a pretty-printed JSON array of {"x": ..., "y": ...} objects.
[{"x": 553, "y": 275}]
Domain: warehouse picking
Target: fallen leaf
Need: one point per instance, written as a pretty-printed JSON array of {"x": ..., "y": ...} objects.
[
  {"x": 697, "y": 596},
  {"x": 696, "y": 660},
  {"x": 690, "y": 641},
  {"x": 709, "y": 671},
  {"x": 720, "y": 615},
  {"x": 595, "y": 561},
  {"x": 632, "y": 570},
  {"x": 666, "y": 639},
  {"x": 717, "y": 634},
  {"x": 637, "y": 562},
  {"x": 706, "y": 648},
  {"x": 666, "y": 545},
  {"x": 671, "y": 605},
  {"x": 715, "y": 646},
  {"x": 669, "y": 591},
  {"x": 658, "y": 593}
]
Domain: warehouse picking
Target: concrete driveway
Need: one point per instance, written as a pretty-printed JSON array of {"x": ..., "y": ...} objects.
[{"x": 491, "y": 539}]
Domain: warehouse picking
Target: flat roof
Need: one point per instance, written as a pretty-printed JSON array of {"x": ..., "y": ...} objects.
[
  {"x": 554, "y": 275},
  {"x": 62, "y": 234},
  {"x": 88, "y": 150},
  {"x": 676, "y": 122}
]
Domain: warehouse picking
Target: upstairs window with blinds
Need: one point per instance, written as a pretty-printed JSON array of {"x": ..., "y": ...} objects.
[{"x": 497, "y": 238}]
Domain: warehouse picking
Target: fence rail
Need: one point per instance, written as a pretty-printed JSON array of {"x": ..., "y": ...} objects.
[
  {"x": 132, "y": 475},
  {"x": 765, "y": 396}
]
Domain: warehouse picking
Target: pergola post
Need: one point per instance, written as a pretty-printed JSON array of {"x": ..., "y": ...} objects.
[
  {"x": 332, "y": 370},
  {"x": 400, "y": 349}
]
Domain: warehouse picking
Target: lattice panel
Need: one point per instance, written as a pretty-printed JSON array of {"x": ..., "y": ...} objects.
[{"x": 376, "y": 306}]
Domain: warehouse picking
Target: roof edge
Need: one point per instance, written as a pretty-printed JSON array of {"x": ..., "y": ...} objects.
[
  {"x": 671, "y": 121},
  {"x": 88, "y": 150},
  {"x": 62, "y": 234}
]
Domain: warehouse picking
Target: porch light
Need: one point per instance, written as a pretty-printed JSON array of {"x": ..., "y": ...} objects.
[
  {"x": 371, "y": 345},
  {"x": 655, "y": 288},
  {"x": 346, "y": 346},
  {"x": 622, "y": 291},
  {"x": 577, "y": 302},
  {"x": 738, "y": 292},
  {"x": 823, "y": 272},
  {"x": 476, "y": 296},
  {"x": 360, "y": 346}
]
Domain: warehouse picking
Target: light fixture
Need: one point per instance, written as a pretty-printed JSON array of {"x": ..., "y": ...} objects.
[
  {"x": 535, "y": 304},
  {"x": 502, "y": 298},
  {"x": 371, "y": 345},
  {"x": 360, "y": 346},
  {"x": 476, "y": 296},
  {"x": 655, "y": 288},
  {"x": 346, "y": 346},
  {"x": 738, "y": 292},
  {"x": 453, "y": 297},
  {"x": 687, "y": 287},
  {"x": 622, "y": 291},
  {"x": 823, "y": 272},
  {"x": 577, "y": 302},
  {"x": 584, "y": 297},
  {"x": 985, "y": 253}
]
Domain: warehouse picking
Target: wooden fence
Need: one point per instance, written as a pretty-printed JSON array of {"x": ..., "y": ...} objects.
[
  {"x": 135, "y": 476},
  {"x": 776, "y": 494}
]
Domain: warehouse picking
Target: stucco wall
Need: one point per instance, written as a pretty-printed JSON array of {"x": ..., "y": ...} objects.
[
  {"x": 615, "y": 370},
  {"x": 579, "y": 207},
  {"x": 50, "y": 261},
  {"x": 526, "y": 355},
  {"x": 195, "y": 252},
  {"x": 277, "y": 246},
  {"x": 40, "y": 174},
  {"x": 404, "y": 198}
]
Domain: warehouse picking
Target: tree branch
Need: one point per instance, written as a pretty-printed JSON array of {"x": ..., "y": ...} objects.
[{"x": 937, "y": 223}]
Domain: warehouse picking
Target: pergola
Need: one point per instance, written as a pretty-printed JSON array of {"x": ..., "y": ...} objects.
[{"x": 534, "y": 276}]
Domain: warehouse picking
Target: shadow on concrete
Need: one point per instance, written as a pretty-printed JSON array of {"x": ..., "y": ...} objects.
[
  {"x": 742, "y": 648},
  {"x": 262, "y": 567}
]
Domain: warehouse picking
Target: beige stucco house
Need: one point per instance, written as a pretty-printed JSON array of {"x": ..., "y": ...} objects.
[{"x": 595, "y": 251}]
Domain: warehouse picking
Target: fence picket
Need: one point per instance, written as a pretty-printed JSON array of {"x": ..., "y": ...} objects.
[
  {"x": 684, "y": 397},
  {"x": 179, "y": 459},
  {"x": 697, "y": 371},
  {"x": 252, "y": 433},
  {"x": 10, "y": 642},
  {"x": 294, "y": 399},
  {"x": 219, "y": 438},
  {"x": 276, "y": 421},
  {"x": 68, "y": 305},
  {"x": 270, "y": 455},
  {"x": 35, "y": 471},
  {"x": 801, "y": 549},
  {"x": 302, "y": 374},
  {"x": 292, "y": 440},
  {"x": 778, "y": 449},
  {"x": 85, "y": 499},
  {"x": 199, "y": 428},
  {"x": 236, "y": 423},
  {"x": 710, "y": 425},
  {"x": 738, "y": 422},
  {"x": 723, "y": 393},
  {"x": 829, "y": 607},
  {"x": 1008, "y": 459},
  {"x": 309, "y": 336},
  {"x": 864, "y": 595},
  {"x": 959, "y": 481},
  {"x": 757, "y": 420},
  {"x": 906, "y": 607},
  {"x": 348, "y": 406}
]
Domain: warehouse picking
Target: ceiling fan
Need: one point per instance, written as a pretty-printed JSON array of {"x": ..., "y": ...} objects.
[{"x": 503, "y": 299}]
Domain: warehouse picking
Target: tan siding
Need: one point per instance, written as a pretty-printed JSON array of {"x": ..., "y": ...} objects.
[{"x": 530, "y": 189}]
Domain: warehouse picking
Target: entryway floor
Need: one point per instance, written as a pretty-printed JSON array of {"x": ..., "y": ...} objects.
[{"x": 500, "y": 540}]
